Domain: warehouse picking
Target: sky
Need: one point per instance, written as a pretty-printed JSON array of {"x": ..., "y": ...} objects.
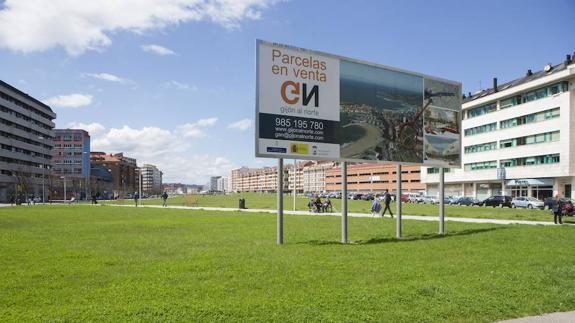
[{"x": 172, "y": 82}]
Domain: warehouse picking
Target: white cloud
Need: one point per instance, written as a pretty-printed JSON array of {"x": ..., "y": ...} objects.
[
  {"x": 93, "y": 128},
  {"x": 181, "y": 86},
  {"x": 77, "y": 26},
  {"x": 157, "y": 49},
  {"x": 106, "y": 77},
  {"x": 241, "y": 125},
  {"x": 165, "y": 149},
  {"x": 194, "y": 130},
  {"x": 74, "y": 100}
]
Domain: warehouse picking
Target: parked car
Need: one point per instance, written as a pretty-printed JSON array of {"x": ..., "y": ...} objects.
[
  {"x": 527, "y": 202},
  {"x": 569, "y": 207},
  {"x": 454, "y": 200},
  {"x": 430, "y": 200},
  {"x": 411, "y": 197},
  {"x": 498, "y": 200},
  {"x": 404, "y": 198},
  {"x": 548, "y": 202},
  {"x": 367, "y": 197},
  {"x": 356, "y": 196},
  {"x": 468, "y": 201}
]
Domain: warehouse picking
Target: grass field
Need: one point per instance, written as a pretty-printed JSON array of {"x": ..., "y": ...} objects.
[
  {"x": 268, "y": 201},
  {"x": 82, "y": 263}
]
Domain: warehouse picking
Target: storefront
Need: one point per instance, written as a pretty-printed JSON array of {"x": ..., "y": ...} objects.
[{"x": 539, "y": 188}]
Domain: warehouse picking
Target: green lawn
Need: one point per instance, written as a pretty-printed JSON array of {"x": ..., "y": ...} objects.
[
  {"x": 82, "y": 263},
  {"x": 268, "y": 201}
]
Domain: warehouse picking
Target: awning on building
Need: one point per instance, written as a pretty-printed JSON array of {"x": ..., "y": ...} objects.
[{"x": 530, "y": 182}]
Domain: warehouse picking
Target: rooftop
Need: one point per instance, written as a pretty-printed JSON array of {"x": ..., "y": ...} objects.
[
  {"x": 529, "y": 76},
  {"x": 25, "y": 95}
]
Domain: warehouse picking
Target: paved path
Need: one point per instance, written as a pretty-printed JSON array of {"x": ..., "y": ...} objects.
[
  {"x": 358, "y": 215},
  {"x": 562, "y": 317}
]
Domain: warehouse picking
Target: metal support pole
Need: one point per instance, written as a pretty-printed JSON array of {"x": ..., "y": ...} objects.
[
  {"x": 280, "y": 218},
  {"x": 441, "y": 200},
  {"x": 398, "y": 204},
  {"x": 140, "y": 178},
  {"x": 344, "y": 202},
  {"x": 43, "y": 180},
  {"x": 65, "y": 199},
  {"x": 294, "y": 182}
]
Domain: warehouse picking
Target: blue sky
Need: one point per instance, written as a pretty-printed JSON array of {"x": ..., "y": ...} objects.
[{"x": 191, "y": 110}]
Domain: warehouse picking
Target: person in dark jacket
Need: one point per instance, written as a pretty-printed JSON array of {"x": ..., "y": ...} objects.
[
  {"x": 386, "y": 202},
  {"x": 165, "y": 199},
  {"x": 557, "y": 210}
]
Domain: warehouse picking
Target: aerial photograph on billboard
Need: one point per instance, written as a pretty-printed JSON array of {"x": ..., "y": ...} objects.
[
  {"x": 380, "y": 114},
  {"x": 442, "y": 135}
]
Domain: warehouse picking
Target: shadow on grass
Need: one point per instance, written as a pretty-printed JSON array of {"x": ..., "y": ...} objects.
[{"x": 430, "y": 236}]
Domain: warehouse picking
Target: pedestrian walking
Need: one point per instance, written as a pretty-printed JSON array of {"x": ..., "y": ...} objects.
[
  {"x": 136, "y": 198},
  {"x": 558, "y": 210},
  {"x": 165, "y": 199},
  {"x": 386, "y": 202},
  {"x": 94, "y": 199},
  {"x": 375, "y": 207}
]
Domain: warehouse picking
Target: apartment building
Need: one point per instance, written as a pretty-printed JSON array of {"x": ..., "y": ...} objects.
[
  {"x": 26, "y": 141},
  {"x": 263, "y": 180},
  {"x": 374, "y": 178},
  {"x": 123, "y": 170},
  {"x": 314, "y": 174},
  {"x": 524, "y": 129},
  {"x": 222, "y": 184},
  {"x": 151, "y": 180},
  {"x": 71, "y": 161}
]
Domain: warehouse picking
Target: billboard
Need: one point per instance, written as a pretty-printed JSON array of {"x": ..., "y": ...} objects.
[{"x": 312, "y": 105}]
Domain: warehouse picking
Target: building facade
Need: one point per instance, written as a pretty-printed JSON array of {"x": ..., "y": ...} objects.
[
  {"x": 525, "y": 129},
  {"x": 71, "y": 161},
  {"x": 374, "y": 178},
  {"x": 314, "y": 174},
  {"x": 123, "y": 170},
  {"x": 222, "y": 184},
  {"x": 262, "y": 180},
  {"x": 151, "y": 178},
  {"x": 26, "y": 142}
]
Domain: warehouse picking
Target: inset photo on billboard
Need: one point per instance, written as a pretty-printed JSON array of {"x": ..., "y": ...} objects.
[
  {"x": 442, "y": 137},
  {"x": 380, "y": 114}
]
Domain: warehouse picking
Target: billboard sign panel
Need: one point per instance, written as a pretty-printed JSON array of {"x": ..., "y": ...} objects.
[{"x": 312, "y": 105}]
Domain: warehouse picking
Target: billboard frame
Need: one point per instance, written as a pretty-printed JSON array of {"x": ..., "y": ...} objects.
[{"x": 260, "y": 42}]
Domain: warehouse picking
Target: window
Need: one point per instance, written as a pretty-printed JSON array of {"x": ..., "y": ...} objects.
[
  {"x": 529, "y": 118},
  {"x": 481, "y": 129},
  {"x": 435, "y": 170},
  {"x": 480, "y": 165},
  {"x": 529, "y": 161},
  {"x": 484, "y": 109},
  {"x": 481, "y": 147},
  {"x": 512, "y": 101},
  {"x": 545, "y": 92}
]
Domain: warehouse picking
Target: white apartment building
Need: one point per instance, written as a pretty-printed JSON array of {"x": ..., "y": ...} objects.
[
  {"x": 314, "y": 176},
  {"x": 222, "y": 184},
  {"x": 151, "y": 179},
  {"x": 527, "y": 127}
]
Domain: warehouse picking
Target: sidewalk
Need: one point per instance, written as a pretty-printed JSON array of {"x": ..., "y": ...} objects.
[
  {"x": 560, "y": 317},
  {"x": 357, "y": 215}
]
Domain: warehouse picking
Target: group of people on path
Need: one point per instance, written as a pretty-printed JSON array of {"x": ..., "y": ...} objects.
[
  {"x": 317, "y": 205},
  {"x": 376, "y": 205}
]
